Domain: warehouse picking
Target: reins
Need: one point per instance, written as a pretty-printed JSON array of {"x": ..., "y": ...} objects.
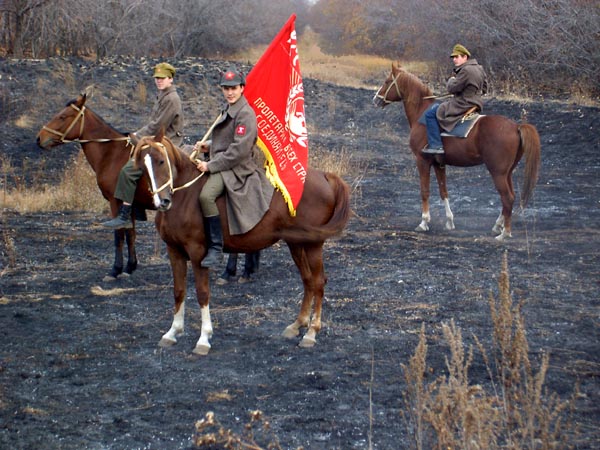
[
  {"x": 170, "y": 181},
  {"x": 81, "y": 115},
  {"x": 395, "y": 83},
  {"x": 387, "y": 91}
]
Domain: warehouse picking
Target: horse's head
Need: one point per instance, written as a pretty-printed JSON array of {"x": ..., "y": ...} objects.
[
  {"x": 158, "y": 158},
  {"x": 389, "y": 91},
  {"x": 65, "y": 126}
]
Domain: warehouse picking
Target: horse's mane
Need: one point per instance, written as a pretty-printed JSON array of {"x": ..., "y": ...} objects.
[
  {"x": 412, "y": 88},
  {"x": 100, "y": 119},
  {"x": 173, "y": 153}
]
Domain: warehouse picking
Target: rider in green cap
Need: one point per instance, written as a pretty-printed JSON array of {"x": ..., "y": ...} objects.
[
  {"x": 166, "y": 113},
  {"x": 467, "y": 84}
]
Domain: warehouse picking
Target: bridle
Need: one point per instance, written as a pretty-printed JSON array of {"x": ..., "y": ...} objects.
[
  {"x": 169, "y": 183},
  {"x": 78, "y": 140},
  {"x": 387, "y": 91}
]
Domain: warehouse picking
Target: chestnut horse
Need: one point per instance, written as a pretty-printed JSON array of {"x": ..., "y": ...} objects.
[
  {"x": 106, "y": 150},
  {"x": 495, "y": 141},
  {"x": 322, "y": 213}
]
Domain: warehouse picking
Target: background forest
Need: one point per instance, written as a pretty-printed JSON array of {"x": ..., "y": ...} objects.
[{"x": 551, "y": 46}]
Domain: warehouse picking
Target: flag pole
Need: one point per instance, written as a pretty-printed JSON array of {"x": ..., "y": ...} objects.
[{"x": 206, "y": 135}]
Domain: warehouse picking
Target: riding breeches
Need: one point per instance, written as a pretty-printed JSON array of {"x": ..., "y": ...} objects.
[
  {"x": 434, "y": 138},
  {"x": 208, "y": 196},
  {"x": 127, "y": 182}
]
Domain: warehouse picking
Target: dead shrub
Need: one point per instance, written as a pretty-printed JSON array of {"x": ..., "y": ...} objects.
[{"x": 511, "y": 411}]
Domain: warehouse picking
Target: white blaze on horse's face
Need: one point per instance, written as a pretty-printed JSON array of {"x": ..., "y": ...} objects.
[{"x": 148, "y": 164}]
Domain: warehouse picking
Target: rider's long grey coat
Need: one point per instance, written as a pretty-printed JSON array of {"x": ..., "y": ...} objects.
[
  {"x": 231, "y": 153},
  {"x": 167, "y": 112},
  {"x": 468, "y": 84}
]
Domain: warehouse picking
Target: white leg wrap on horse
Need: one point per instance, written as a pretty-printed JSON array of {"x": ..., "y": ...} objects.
[
  {"x": 176, "y": 330},
  {"x": 499, "y": 225},
  {"x": 424, "y": 225},
  {"x": 449, "y": 215},
  {"x": 203, "y": 344},
  {"x": 503, "y": 235}
]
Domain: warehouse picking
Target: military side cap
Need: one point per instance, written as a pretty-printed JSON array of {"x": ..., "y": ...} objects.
[
  {"x": 459, "y": 50},
  {"x": 164, "y": 70},
  {"x": 232, "y": 77}
]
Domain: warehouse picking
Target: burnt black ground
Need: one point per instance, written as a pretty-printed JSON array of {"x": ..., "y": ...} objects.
[{"x": 79, "y": 362}]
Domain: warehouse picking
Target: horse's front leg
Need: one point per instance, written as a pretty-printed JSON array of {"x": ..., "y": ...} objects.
[
  {"x": 440, "y": 174},
  {"x": 203, "y": 295},
  {"x": 424, "y": 178},
  {"x": 131, "y": 255},
  {"x": 179, "y": 270},
  {"x": 117, "y": 268}
]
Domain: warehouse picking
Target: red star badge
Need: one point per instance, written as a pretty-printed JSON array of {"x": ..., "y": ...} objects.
[
  {"x": 229, "y": 75},
  {"x": 240, "y": 130}
]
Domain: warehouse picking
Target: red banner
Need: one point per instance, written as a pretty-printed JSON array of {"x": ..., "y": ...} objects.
[{"x": 275, "y": 92}]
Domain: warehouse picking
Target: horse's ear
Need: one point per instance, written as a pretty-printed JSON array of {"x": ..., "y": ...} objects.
[
  {"x": 160, "y": 135},
  {"x": 81, "y": 100},
  {"x": 396, "y": 65}
]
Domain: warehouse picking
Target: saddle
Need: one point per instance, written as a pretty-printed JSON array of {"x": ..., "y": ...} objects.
[{"x": 463, "y": 126}]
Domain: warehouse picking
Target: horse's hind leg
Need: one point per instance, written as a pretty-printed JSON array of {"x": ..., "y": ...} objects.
[
  {"x": 440, "y": 174},
  {"x": 230, "y": 270},
  {"x": 309, "y": 260},
  {"x": 131, "y": 255},
  {"x": 502, "y": 227},
  {"x": 119, "y": 239}
]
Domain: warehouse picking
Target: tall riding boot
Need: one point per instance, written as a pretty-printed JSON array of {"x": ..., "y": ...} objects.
[
  {"x": 123, "y": 219},
  {"x": 214, "y": 257}
]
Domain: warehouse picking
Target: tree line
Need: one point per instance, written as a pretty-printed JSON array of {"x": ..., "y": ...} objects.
[{"x": 552, "y": 45}]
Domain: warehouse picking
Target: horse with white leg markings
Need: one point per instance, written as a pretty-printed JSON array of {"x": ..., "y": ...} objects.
[
  {"x": 322, "y": 213},
  {"x": 495, "y": 141}
]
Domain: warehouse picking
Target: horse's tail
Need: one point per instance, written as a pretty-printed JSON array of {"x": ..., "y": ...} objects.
[
  {"x": 530, "y": 143},
  {"x": 303, "y": 233},
  {"x": 343, "y": 211}
]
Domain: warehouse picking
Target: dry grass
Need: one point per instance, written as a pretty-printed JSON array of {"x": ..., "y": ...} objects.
[
  {"x": 512, "y": 411},
  {"x": 356, "y": 71},
  {"x": 257, "y": 434},
  {"x": 76, "y": 191}
]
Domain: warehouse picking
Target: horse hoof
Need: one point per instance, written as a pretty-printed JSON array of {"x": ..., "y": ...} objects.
[
  {"x": 166, "y": 342},
  {"x": 245, "y": 279},
  {"x": 422, "y": 227},
  {"x": 222, "y": 281},
  {"x": 290, "y": 332},
  {"x": 307, "y": 342},
  {"x": 201, "y": 349},
  {"x": 110, "y": 278}
]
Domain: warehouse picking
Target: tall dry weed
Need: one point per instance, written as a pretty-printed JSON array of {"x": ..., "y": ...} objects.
[
  {"x": 76, "y": 191},
  {"x": 512, "y": 410}
]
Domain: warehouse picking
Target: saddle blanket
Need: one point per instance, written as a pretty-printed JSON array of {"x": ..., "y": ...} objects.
[{"x": 462, "y": 127}]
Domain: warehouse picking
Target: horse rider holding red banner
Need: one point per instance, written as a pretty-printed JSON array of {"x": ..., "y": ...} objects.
[
  {"x": 467, "y": 85},
  {"x": 231, "y": 168}
]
